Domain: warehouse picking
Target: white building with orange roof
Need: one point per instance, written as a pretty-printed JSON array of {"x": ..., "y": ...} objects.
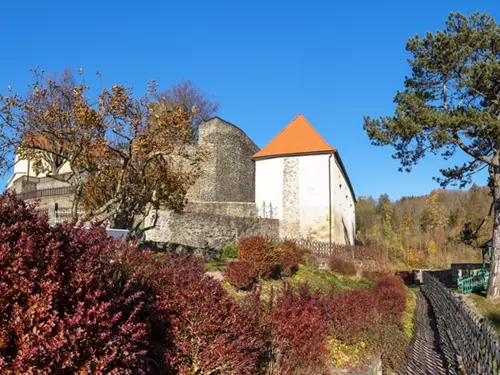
[{"x": 300, "y": 179}]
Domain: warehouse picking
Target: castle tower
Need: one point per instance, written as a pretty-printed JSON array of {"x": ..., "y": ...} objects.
[{"x": 301, "y": 180}]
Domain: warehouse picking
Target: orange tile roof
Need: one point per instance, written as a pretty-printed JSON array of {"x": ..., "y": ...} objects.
[{"x": 298, "y": 137}]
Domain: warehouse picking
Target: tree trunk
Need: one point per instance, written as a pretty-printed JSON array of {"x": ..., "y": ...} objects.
[
  {"x": 494, "y": 283},
  {"x": 76, "y": 201}
]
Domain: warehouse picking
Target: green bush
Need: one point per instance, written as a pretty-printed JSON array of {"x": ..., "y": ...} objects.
[{"x": 230, "y": 250}]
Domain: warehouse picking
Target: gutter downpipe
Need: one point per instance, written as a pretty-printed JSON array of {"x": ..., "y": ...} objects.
[{"x": 330, "y": 199}]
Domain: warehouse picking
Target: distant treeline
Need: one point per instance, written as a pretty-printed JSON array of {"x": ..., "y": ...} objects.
[{"x": 427, "y": 231}]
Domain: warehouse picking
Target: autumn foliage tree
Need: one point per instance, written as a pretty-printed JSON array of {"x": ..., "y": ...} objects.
[
  {"x": 432, "y": 230},
  {"x": 128, "y": 156},
  {"x": 451, "y": 102},
  {"x": 189, "y": 95}
]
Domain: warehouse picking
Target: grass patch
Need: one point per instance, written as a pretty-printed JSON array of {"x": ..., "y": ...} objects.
[
  {"x": 324, "y": 280},
  {"x": 489, "y": 309},
  {"x": 409, "y": 316},
  {"x": 215, "y": 265},
  {"x": 317, "y": 279}
]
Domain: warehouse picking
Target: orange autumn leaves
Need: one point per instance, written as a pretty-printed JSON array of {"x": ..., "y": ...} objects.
[{"x": 126, "y": 154}]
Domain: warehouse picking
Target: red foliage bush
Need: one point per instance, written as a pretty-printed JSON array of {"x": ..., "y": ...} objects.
[
  {"x": 290, "y": 257},
  {"x": 391, "y": 293},
  {"x": 63, "y": 307},
  {"x": 342, "y": 266},
  {"x": 391, "y": 282},
  {"x": 240, "y": 274},
  {"x": 261, "y": 253},
  {"x": 350, "y": 313},
  {"x": 209, "y": 331},
  {"x": 373, "y": 275},
  {"x": 299, "y": 331}
]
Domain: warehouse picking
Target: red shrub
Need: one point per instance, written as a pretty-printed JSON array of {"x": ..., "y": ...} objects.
[
  {"x": 342, "y": 266},
  {"x": 240, "y": 274},
  {"x": 350, "y": 313},
  {"x": 373, "y": 275},
  {"x": 299, "y": 331},
  {"x": 391, "y": 282},
  {"x": 391, "y": 293},
  {"x": 210, "y": 332},
  {"x": 290, "y": 257},
  {"x": 63, "y": 307},
  {"x": 261, "y": 253}
]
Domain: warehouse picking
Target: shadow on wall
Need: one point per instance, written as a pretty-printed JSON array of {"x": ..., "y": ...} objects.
[{"x": 346, "y": 234}]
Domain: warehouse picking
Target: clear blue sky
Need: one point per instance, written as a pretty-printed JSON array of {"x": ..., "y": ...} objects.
[{"x": 264, "y": 61}]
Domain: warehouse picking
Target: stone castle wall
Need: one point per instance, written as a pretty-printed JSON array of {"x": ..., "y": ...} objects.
[
  {"x": 235, "y": 209},
  {"x": 27, "y": 187},
  {"x": 198, "y": 229},
  {"x": 228, "y": 171}
]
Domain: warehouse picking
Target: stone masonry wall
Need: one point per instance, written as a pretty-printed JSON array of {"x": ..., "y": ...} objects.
[
  {"x": 46, "y": 203},
  {"x": 236, "y": 209},
  {"x": 290, "y": 226},
  {"x": 198, "y": 229},
  {"x": 228, "y": 171}
]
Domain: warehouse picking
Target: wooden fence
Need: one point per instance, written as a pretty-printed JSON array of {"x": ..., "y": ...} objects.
[
  {"x": 324, "y": 249},
  {"x": 469, "y": 343}
]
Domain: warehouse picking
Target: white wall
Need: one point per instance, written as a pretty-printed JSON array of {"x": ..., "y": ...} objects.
[
  {"x": 343, "y": 206},
  {"x": 313, "y": 202},
  {"x": 21, "y": 169},
  {"x": 269, "y": 185}
]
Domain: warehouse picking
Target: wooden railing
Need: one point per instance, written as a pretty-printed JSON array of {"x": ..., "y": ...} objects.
[{"x": 321, "y": 248}]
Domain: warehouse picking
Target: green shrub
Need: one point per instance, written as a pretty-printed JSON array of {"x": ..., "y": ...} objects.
[
  {"x": 342, "y": 266},
  {"x": 230, "y": 250}
]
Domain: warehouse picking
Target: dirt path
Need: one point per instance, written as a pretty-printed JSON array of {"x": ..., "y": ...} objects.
[{"x": 425, "y": 358}]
